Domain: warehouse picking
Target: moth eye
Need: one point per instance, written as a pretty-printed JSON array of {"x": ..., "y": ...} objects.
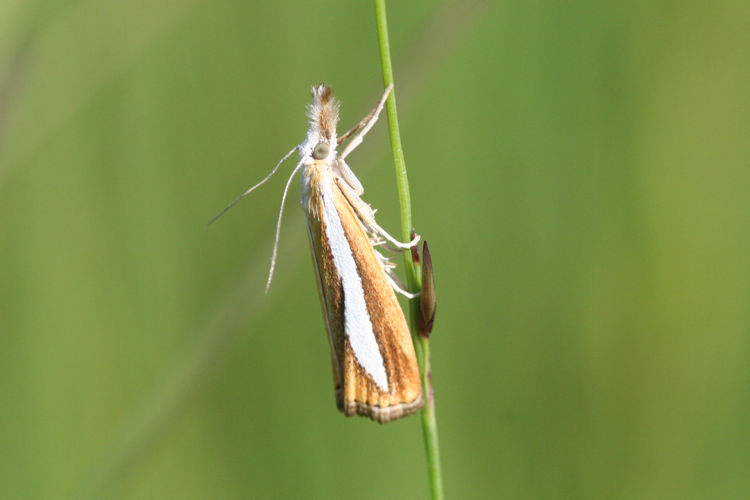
[{"x": 321, "y": 151}]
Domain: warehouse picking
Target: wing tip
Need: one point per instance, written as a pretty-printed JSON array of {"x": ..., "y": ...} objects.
[{"x": 380, "y": 414}]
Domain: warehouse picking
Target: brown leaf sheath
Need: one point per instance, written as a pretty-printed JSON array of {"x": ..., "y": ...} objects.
[{"x": 356, "y": 392}]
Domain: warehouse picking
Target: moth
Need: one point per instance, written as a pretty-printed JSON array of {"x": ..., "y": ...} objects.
[{"x": 374, "y": 364}]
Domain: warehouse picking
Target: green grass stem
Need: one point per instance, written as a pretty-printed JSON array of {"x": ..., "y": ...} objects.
[{"x": 413, "y": 277}]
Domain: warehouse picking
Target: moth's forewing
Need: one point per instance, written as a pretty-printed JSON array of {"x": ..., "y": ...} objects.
[{"x": 356, "y": 391}]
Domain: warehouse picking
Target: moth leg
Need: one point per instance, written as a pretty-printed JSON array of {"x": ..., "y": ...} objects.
[
  {"x": 366, "y": 215},
  {"x": 343, "y": 170},
  {"x": 364, "y": 212},
  {"x": 390, "y": 248},
  {"x": 357, "y": 140},
  {"x": 398, "y": 285},
  {"x": 393, "y": 279},
  {"x": 409, "y": 244},
  {"x": 358, "y": 126}
]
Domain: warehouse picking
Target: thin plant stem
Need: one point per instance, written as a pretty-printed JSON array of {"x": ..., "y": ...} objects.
[{"x": 413, "y": 275}]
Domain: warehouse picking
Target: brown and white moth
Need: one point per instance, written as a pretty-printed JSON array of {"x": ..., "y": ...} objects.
[{"x": 374, "y": 365}]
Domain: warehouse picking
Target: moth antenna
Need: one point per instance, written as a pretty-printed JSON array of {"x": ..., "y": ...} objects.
[
  {"x": 278, "y": 224},
  {"x": 252, "y": 188}
]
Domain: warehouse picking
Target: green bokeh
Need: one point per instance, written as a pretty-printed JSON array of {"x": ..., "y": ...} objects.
[{"x": 581, "y": 171}]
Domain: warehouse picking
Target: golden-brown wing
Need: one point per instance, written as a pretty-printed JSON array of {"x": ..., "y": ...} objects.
[{"x": 356, "y": 390}]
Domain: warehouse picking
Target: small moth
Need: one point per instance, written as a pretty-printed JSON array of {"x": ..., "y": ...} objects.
[{"x": 374, "y": 365}]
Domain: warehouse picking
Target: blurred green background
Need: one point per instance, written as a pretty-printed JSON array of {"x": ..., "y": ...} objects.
[{"x": 580, "y": 170}]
